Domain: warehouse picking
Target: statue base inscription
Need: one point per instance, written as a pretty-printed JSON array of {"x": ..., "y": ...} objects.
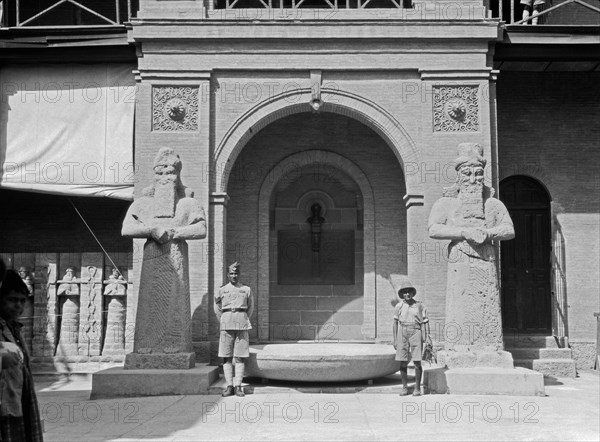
[{"x": 166, "y": 361}]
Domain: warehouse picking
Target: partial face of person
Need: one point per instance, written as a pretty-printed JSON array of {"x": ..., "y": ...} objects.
[
  {"x": 407, "y": 295},
  {"x": 12, "y": 305},
  {"x": 22, "y": 272},
  {"x": 233, "y": 277}
]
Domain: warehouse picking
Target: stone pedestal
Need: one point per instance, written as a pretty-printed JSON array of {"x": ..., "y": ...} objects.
[
  {"x": 485, "y": 380},
  {"x": 492, "y": 359},
  {"x": 166, "y": 361},
  {"x": 120, "y": 382}
]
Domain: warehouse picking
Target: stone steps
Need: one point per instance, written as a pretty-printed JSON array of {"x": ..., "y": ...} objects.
[
  {"x": 555, "y": 367},
  {"x": 549, "y": 367},
  {"x": 535, "y": 341},
  {"x": 541, "y": 353},
  {"x": 548, "y": 355}
]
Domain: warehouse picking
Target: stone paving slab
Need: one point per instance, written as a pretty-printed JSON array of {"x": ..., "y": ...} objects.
[{"x": 568, "y": 412}]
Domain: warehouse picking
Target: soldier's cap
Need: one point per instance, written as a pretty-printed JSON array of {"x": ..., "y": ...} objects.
[
  {"x": 235, "y": 267},
  {"x": 403, "y": 284}
]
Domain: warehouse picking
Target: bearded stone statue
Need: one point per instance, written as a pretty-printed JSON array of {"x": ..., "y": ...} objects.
[
  {"x": 475, "y": 222},
  {"x": 168, "y": 215}
]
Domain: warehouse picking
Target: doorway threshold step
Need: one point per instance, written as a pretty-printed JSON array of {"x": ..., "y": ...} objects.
[
  {"x": 515, "y": 340},
  {"x": 541, "y": 353}
]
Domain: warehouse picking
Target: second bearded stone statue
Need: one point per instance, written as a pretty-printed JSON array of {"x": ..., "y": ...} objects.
[{"x": 474, "y": 221}]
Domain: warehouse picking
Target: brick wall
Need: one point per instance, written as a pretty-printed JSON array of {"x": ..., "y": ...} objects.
[{"x": 548, "y": 128}]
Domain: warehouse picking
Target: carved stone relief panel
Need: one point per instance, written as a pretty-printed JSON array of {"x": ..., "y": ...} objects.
[
  {"x": 174, "y": 108},
  {"x": 455, "y": 109}
]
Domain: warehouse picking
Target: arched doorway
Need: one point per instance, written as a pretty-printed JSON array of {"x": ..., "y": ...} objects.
[
  {"x": 526, "y": 263},
  {"x": 349, "y": 170},
  {"x": 316, "y": 288}
]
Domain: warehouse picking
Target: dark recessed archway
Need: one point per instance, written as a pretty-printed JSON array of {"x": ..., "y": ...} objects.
[{"x": 526, "y": 264}]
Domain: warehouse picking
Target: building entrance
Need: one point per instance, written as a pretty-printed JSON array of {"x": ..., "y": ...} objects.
[
  {"x": 526, "y": 286},
  {"x": 306, "y": 194}
]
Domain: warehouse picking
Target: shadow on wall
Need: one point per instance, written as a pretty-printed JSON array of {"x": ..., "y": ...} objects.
[{"x": 560, "y": 320}]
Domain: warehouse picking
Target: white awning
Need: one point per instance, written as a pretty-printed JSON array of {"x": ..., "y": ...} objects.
[{"x": 68, "y": 129}]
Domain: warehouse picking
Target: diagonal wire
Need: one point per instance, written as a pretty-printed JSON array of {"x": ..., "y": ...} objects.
[{"x": 95, "y": 237}]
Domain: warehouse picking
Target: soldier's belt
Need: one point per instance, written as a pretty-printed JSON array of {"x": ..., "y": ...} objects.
[{"x": 234, "y": 310}]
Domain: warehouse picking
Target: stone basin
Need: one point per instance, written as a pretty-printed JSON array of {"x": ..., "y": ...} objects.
[{"x": 321, "y": 362}]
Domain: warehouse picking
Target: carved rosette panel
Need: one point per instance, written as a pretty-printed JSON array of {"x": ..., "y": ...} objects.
[
  {"x": 174, "y": 108},
  {"x": 455, "y": 109}
]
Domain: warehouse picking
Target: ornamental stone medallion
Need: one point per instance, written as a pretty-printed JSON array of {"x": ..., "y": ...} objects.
[
  {"x": 455, "y": 109},
  {"x": 174, "y": 108}
]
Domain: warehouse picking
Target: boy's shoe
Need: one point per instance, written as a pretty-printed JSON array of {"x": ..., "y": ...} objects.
[
  {"x": 404, "y": 391},
  {"x": 239, "y": 391},
  {"x": 417, "y": 392},
  {"x": 228, "y": 391}
]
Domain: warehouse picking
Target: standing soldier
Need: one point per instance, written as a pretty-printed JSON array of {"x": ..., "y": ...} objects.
[{"x": 233, "y": 306}]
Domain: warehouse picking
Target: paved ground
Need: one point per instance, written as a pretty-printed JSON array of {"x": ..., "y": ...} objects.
[{"x": 282, "y": 412}]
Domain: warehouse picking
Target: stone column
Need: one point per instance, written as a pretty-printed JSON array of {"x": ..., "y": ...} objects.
[
  {"x": 217, "y": 251},
  {"x": 416, "y": 223},
  {"x": 44, "y": 308},
  {"x": 68, "y": 297},
  {"x": 114, "y": 340},
  {"x": 90, "y": 324}
]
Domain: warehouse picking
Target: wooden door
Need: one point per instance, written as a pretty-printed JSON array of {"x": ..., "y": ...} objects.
[{"x": 526, "y": 265}]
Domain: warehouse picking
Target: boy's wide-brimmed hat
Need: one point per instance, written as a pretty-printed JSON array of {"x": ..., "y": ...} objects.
[{"x": 402, "y": 284}]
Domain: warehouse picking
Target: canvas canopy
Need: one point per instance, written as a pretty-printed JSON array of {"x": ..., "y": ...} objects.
[{"x": 68, "y": 129}]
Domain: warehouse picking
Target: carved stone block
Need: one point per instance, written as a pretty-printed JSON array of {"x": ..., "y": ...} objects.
[
  {"x": 165, "y": 361},
  {"x": 455, "y": 109},
  {"x": 90, "y": 324},
  {"x": 174, "y": 108}
]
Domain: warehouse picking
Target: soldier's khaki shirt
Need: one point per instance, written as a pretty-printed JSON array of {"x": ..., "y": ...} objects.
[{"x": 231, "y": 296}]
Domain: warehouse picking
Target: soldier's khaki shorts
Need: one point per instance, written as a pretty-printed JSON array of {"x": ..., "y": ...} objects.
[
  {"x": 234, "y": 343},
  {"x": 409, "y": 342}
]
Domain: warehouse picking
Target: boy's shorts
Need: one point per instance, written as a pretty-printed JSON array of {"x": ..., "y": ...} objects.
[
  {"x": 535, "y": 2},
  {"x": 234, "y": 343},
  {"x": 409, "y": 341}
]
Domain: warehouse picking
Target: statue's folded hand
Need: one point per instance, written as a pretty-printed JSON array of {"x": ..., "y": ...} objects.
[
  {"x": 475, "y": 235},
  {"x": 161, "y": 235}
]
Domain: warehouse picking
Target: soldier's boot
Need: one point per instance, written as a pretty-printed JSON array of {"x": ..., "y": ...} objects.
[{"x": 228, "y": 391}]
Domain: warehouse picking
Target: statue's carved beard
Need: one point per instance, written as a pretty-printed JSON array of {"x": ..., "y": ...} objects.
[
  {"x": 165, "y": 192},
  {"x": 471, "y": 203}
]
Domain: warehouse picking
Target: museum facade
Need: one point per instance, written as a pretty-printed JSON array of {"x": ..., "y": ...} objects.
[{"x": 317, "y": 136}]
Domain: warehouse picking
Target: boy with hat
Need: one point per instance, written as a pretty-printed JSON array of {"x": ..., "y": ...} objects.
[
  {"x": 410, "y": 329},
  {"x": 233, "y": 306}
]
